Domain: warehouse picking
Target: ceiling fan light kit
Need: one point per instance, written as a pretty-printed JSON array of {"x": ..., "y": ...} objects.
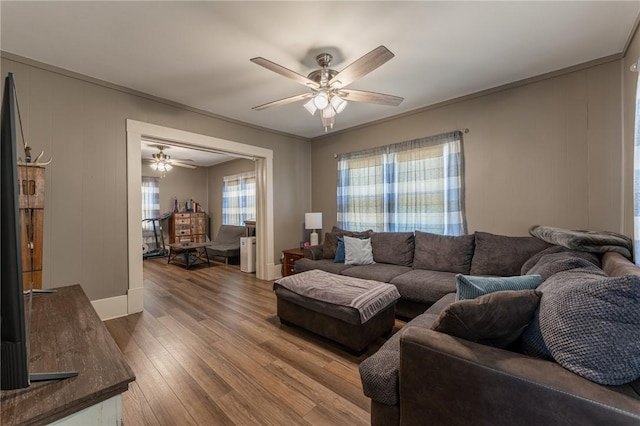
[
  {"x": 328, "y": 93},
  {"x": 162, "y": 162}
]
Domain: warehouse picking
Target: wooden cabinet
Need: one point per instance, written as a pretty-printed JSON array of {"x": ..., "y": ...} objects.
[
  {"x": 290, "y": 257},
  {"x": 31, "y": 202},
  {"x": 189, "y": 227}
]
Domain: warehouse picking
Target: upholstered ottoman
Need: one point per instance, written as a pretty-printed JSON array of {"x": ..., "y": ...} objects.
[{"x": 350, "y": 311}]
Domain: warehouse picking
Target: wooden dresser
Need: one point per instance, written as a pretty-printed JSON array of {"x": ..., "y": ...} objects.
[
  {"x": 188, "y": 227},
  {"x": 290, "y": 257}
]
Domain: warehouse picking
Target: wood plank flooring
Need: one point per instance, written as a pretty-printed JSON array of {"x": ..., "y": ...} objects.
[{"x": 208, "y": 349}]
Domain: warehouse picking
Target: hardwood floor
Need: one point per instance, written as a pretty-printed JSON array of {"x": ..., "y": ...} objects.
[{"x": 209, "y": 350}]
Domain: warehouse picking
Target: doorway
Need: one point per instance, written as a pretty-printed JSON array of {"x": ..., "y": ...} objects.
[{"x": 136, "y": 131}]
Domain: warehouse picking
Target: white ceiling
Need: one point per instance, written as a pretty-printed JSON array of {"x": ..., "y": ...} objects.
[{"x": 197, "y": 53}]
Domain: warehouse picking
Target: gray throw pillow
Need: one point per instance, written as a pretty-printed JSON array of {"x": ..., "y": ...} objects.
[
  {"x": 330, "y": 243},
  {"x": 470, "y": 287},
  {"x": 357, "y": 251},
  {"x": 593, "y": 328},
  {"x": 443, "y": 253},
  {"x": 495, "y": 319}
]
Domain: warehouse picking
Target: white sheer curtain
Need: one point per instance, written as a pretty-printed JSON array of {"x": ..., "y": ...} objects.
[
  {"x": 150, "y": 200},
  {"x": 412, "y": 185},
  {"x": 239, "y": 198}
]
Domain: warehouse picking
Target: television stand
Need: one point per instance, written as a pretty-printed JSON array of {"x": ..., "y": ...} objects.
[{"x": 67, "y": 334}]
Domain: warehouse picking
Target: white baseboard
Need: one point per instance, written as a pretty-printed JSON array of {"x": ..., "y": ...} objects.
[
  {"x": 275, "y": 271},
  {"x": 111, "y": 307},
  {"x": 135, "y": 300}
]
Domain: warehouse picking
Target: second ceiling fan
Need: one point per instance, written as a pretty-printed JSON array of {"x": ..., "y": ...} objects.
[{"x": 328, "y": 87}]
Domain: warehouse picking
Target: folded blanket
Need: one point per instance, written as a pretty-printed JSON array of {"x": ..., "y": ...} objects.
[
  {"x": 366, "y": 296},
  {"x": 590, "y": 241}
]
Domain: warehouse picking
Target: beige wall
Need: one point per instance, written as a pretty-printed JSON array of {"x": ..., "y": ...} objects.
[
  {"x": 215, "y": 174},
  {"x": 629, "y": 81},
  {"x": 547, "y": 152},
  {"x": 81, "y": 123}
]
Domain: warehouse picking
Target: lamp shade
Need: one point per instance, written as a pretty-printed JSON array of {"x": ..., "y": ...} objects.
[{"x": 313, "y": 220}]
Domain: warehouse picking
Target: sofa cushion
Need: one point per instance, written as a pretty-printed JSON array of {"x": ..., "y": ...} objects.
[
  {"x": 395, "y": 248},
  {"x": 593, "y": 328},
  {"x": 327, "y": 265},
  {"x": 470, "y": 287},
  {"x": 443, "y": 252},
  {"x": 502, "y": 255},
  {"x": 357, "y": 251},
  {"x": 495, "y": 319},
  {"x": 330, "y": 243},
  {"x": 421, "y": 285},
  {"x": 377, "y": 271}
]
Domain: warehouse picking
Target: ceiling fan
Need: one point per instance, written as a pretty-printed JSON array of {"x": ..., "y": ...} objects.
[
  {"x": 163, "y": 162},
  {"x": 328, "y": 93}
]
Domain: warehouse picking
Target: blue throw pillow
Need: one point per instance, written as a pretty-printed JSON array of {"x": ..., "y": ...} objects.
[
  {"x": 470, "y": 287},
  {"x": 339, "y": 251}
]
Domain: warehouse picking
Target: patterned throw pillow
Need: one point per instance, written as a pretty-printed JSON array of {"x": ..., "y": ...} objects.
[
  {"x": 593, "y": 328},
  {"x": 470, "y": 287},
  {"x": 495, "y": 319}
]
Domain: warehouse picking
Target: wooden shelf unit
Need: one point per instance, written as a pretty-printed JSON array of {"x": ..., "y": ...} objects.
[{"x": 188, "y": 227}]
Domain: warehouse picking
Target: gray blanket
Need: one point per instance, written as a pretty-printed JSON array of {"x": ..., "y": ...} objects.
[
  {"x": 590, "y": 241},
  {"x": 366, "y": 296}
]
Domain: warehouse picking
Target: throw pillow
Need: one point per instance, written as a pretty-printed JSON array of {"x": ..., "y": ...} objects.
[
  {"x": 495, "y": 319},
  {"x": 469, "y": 287},
  {"x": 357, "y": 251},
  {"x": 443, "y": 253},
  {"x": 330, "y": 243},
  {"x": 339, "y": 251},
  {"x": 593, "y": 328}
]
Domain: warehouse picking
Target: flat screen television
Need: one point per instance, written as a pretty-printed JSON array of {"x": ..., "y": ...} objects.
[{"x": 14, "y": 362}]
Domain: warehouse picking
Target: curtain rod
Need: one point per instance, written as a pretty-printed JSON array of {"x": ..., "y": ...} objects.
[{"x": 464, "y": 130}]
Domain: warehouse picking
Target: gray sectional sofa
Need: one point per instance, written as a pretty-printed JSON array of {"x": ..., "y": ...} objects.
[
  {"x": 423, "y": 266},
  {"x": 423, "y": 375}
]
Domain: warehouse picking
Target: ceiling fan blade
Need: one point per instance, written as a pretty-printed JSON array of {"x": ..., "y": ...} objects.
[
  {"x": 285, "y": 72},
  {"x": 284, "y": 101},
  {"x": 361, "y": 67},
  {"x": 370, "y": 97}
]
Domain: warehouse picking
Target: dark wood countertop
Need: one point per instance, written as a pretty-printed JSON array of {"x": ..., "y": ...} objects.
[{"x": 66, "y": 335}]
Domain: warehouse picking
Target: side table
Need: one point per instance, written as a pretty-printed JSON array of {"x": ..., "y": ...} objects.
[
  {"x": 290, "y": 257},
  {"x": 190, "y": 253}
]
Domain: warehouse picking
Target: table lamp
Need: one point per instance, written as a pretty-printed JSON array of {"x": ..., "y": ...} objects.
[{"x": 313, "y": 221}]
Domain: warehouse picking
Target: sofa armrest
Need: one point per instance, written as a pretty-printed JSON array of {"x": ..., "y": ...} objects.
[
  {"x": 446, "y": 380},
  {"x": 313, "y": 252}
]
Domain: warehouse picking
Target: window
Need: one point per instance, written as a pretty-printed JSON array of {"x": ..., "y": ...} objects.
[
  {"x": 150, "y": 201},
  {"x": 413, "y": 185},
  {"x": 238, "y": 198}
]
